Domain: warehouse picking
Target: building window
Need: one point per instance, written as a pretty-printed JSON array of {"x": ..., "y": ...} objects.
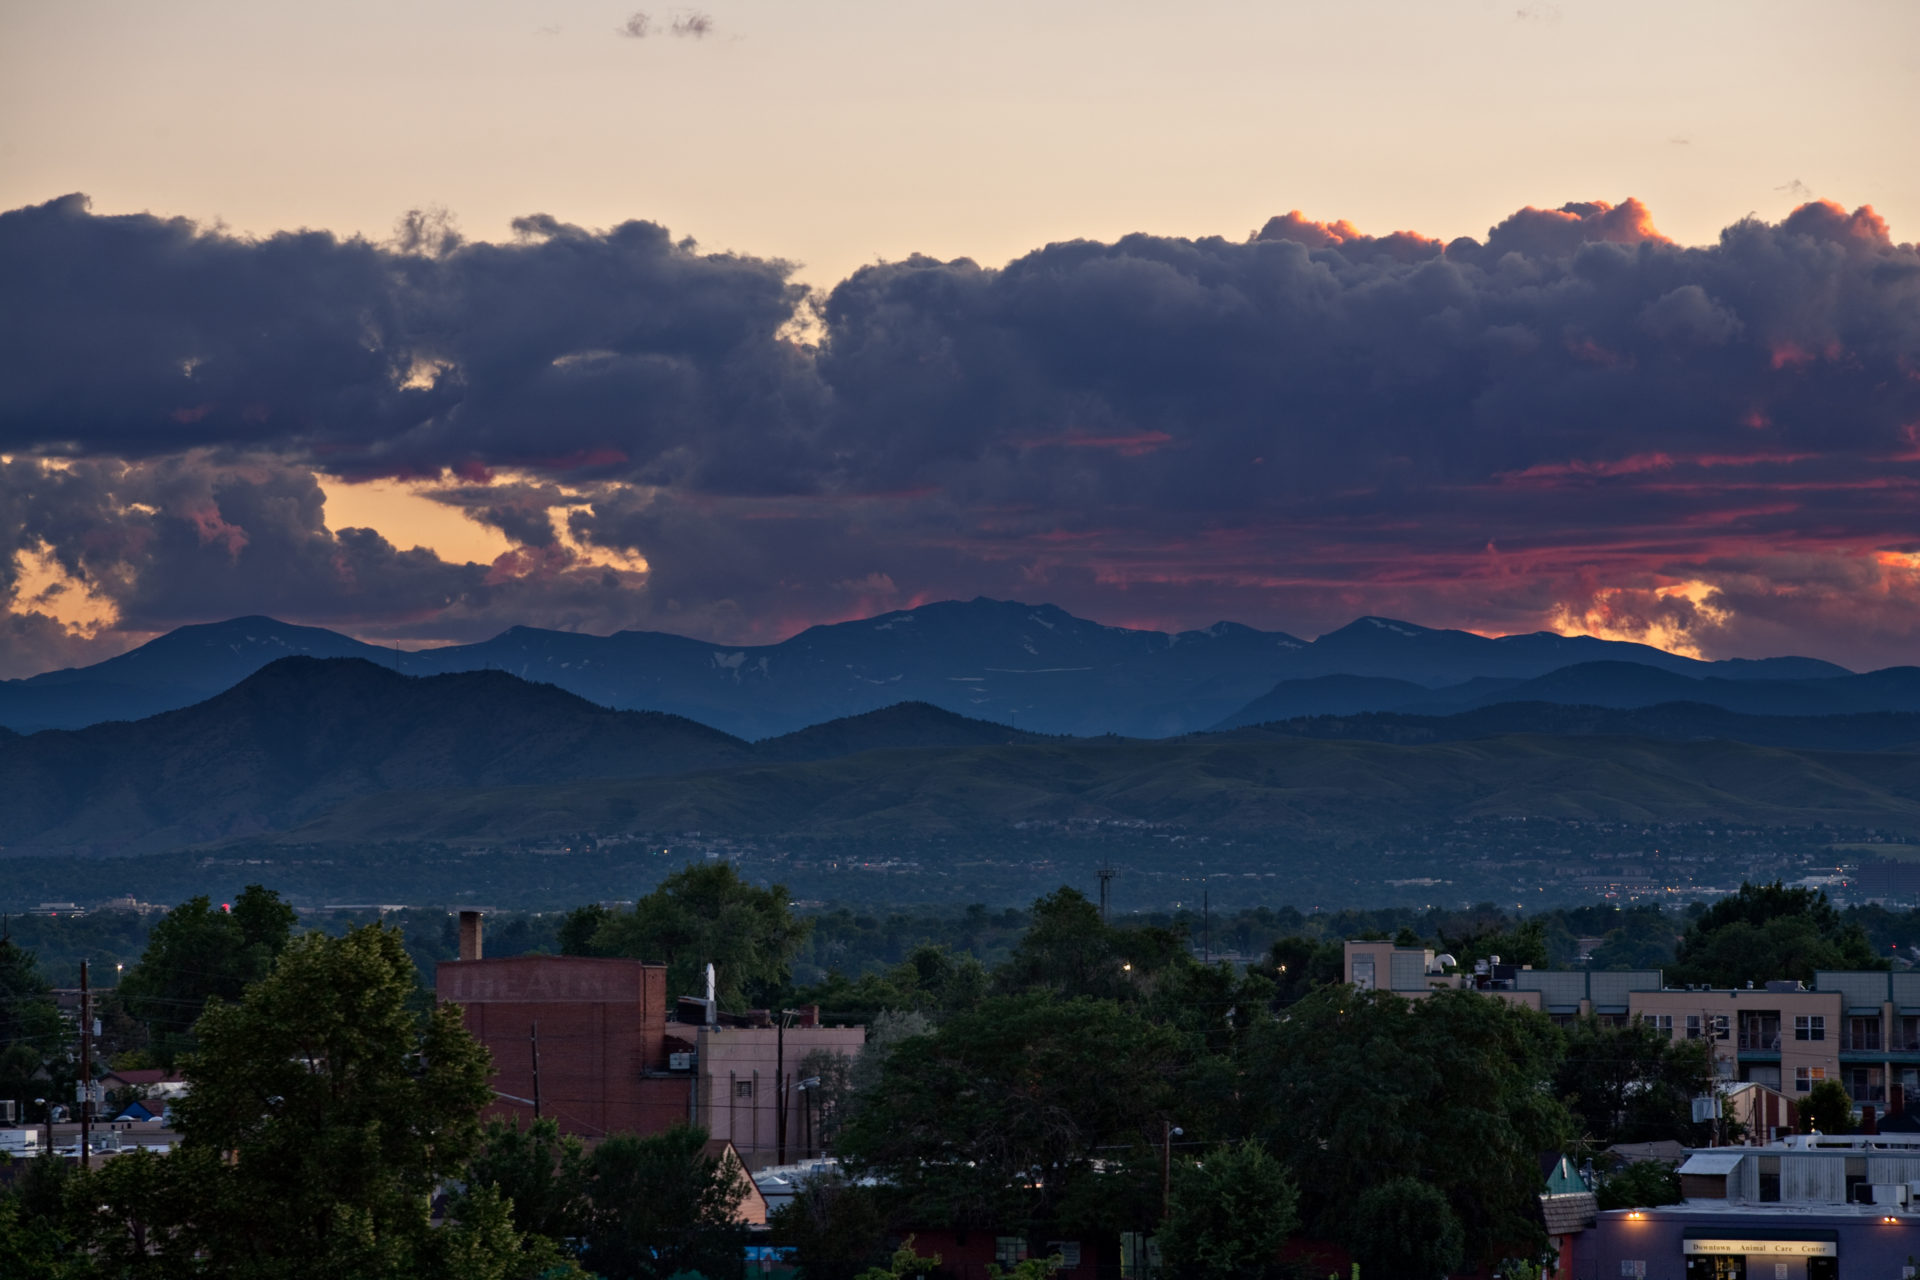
[
  {"x": 1810, "y": 1027},
  {"x": 1009, "y": 1250},
  {"x": 1693, "y": 1026},
  {"x": 1363, "y": 972},
  {"x": 1804, "y": 1078},
  {"x": 743, "y": 1088},
  {"x": 1663, "y": 1023}
]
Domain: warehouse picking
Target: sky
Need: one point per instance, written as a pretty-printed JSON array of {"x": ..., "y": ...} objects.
[{"x": 422, "y": 320}]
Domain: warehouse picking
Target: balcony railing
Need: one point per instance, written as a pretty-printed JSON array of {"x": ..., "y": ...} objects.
[
  {"x": 1861, "y": 1043},
  {"x": 1765, "y": 1041}
]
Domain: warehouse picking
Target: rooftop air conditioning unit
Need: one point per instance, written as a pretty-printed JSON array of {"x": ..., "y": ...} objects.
[{"x": 1890, "y": 1193}]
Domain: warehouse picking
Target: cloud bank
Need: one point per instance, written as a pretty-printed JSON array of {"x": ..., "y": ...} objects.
[{"x": 1571, "y": 423}]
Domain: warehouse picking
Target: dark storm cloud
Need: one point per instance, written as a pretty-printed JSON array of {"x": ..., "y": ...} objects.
[
  {"x": 1571, "y": 419},
  {"x": 565, "y": 350},
  {"x": 1255, "y": 372}
]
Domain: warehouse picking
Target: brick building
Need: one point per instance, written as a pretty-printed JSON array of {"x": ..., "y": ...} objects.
[
  {"x": 617, "y": 1054},
  {"x": 598, "y": 1027}
]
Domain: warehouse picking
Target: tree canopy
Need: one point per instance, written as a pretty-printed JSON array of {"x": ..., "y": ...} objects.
[
  {"x": 1229, "y": 1214},
  {"x": 659, "y": 1206},
  {"x": 323, "y": 1113},
  {"x": 199, "y": 952},
  {"x": 703, "y": 914},
  {"x": 1027, "y": 1109},
  {"x": 1353, "y": 1089},
  {"x": 1771, "y": 931},
  {"x": 1632, "y": 1083}
]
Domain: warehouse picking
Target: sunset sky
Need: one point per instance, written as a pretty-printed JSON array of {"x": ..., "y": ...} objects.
[{"x": 423, "y": 320}]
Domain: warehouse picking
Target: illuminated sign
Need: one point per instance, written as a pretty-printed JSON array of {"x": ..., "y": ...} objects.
[{"x": 1766, "y": 1248}]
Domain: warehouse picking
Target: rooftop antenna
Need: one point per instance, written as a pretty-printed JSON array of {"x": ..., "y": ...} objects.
[{"x": 1106, "y": 873}]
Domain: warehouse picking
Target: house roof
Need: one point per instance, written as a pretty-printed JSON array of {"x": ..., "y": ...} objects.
[
  {"x": 1712, "y": 1163},
  {"x": 1564, "y": 1179},
  {"x": 1570, "y": 1212},
  {"x": 142, "y": 1075},
  {"x": 753, "y": 1205}
]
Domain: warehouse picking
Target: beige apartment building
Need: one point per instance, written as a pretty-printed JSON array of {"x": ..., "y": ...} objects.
[{"x": 1859, "y": 1027}]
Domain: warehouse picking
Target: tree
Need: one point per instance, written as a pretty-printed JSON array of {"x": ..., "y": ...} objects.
[
  {"x": 542, "y": 1176},
  {"x": 578, "y": 927},
  {"x": 1770, "y": 931},
  {"x": 660, "y": 1205},
  {"x": 931, "y": 978},
  {"x": 1404, "y": 1228},
  {"x": 33, "y": 1246},
  {"x": 323, "y": 1114},
  {"x": 1297, "y": 965},
  {"x": 1027, "y": 1110},
  {"x": 197, "y": 952},
  {"x": 1643, "y": 938},
  {"x": 834, "y": 1227},
  {"x": 1067, "y": 950},
  {"x": 31, "y": 1030},
  {"x": 1640, "y": 1184},
  {"x": 1632, "y": 1083},
  {"x": 1229, "y": 1216},
  {"x": 706, "y": 914},
  {"x": 1352, "y": 1089},
  {"x": 1827, "y": 1108},
  {"x": 1524, "y": 944}
]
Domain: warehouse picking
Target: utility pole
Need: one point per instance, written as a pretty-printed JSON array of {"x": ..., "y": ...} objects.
[
  {"x": 1106, "y": 874},
  {"x": 1206, "y": 929},
  {"x": 780, "y": 1090},
  {"x": 534, "y": 1037},
  {"x": 86, "y": 1068},
  {"x": 1167, "y": 1134}
]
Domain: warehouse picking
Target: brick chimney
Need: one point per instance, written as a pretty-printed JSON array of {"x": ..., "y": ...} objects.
[
  {"x": 1896, "y": 1099},
  {"x": 1869, "y": 1122},
  {"x": 469, "y": 935}
]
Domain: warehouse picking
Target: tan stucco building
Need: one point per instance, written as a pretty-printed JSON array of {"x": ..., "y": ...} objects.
[{"x": 1860, "y": 1027}]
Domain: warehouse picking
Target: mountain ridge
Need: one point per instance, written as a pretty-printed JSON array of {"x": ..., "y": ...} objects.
[
  {"x": 1036, "y": 667},
  {"x": 1614, "y": 684}
]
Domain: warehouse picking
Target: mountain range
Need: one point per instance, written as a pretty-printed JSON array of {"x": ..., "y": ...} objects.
[
  {"x": 345, "y": 750},
  {"x": 1035, "y": 667},
  {"x": 304, "y": 735}
]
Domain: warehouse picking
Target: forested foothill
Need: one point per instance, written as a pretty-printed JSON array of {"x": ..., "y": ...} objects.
[{"x": 1042, "y": 1073}]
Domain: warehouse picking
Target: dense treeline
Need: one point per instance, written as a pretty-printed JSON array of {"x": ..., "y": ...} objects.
[{"x": 1045, "y": 1073}]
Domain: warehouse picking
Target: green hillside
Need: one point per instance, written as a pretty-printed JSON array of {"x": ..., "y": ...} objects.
[{"x": 1224, "y": 787}]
